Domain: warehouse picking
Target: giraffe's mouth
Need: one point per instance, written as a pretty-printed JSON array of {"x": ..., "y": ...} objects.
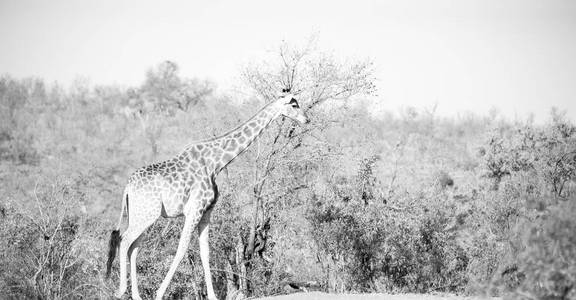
[{"x": 302, "y": 119}]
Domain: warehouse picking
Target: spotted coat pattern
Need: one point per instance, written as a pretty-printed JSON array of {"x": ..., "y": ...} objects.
[
  {"x": 185, "y": 185},
  {"x": 190, "y": 176}
]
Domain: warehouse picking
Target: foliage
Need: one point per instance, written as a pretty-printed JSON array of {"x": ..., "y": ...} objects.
[
  {"x": 550, "y": 150},
  {"x": 165, "y": 91},
  {"x": 49, "y": 251},
  {"x": 353, "y": 202},
  {"x": 549, "y": 260},
  {"x": 371, "y": 247}
]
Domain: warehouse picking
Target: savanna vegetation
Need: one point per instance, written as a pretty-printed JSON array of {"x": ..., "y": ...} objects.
[{"x": 352, "y": 202}]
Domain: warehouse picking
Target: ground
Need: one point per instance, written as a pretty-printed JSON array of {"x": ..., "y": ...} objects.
[{"x": 325, "y": 296}]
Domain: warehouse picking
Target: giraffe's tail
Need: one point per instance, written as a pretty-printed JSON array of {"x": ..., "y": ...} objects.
[{"x": 115, "y": 237}]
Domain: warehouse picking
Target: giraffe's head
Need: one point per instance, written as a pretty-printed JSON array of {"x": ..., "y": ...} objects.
[{"x": 288, "y": 106}]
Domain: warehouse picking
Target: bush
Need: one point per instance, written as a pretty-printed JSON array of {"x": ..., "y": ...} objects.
[
  {"x": 548, "y": 261},
  {"x": 442, "y": 180},
  {"x": 350, "y": 248},
  {"x": 511, "y": 235},
  {"x": 48, "y": 254},
  {"x": 548, "y": 152},
  {"x": 370, "y": 246}
]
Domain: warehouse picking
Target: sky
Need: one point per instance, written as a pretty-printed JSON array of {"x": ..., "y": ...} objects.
[{"x": 518, "y": 57}]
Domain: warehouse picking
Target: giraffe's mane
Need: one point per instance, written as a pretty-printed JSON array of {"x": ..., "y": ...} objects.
[{"x": 229, "y": 131}]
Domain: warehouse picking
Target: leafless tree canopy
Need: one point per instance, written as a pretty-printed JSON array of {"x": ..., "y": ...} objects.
[{"x": 352, "y": 202}]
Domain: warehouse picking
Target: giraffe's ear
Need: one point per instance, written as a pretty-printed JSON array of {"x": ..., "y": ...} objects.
[{"x": 284, "y": 93}]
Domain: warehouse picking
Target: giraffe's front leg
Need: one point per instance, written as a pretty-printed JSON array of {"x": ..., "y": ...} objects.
[
  {"x": 189, "y": 224},
  {"x": 203, "y": 235}
]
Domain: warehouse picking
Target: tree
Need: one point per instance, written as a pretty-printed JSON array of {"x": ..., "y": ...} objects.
[
  {"x": 162, "y": 94},
  {"x": 321, "y": 83},
  {"x": 166, "y": 91},
  {"x": 19, "y": 98}
]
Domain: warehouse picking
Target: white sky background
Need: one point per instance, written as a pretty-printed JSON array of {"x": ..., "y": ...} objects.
[{"x": 517, "y": 56}]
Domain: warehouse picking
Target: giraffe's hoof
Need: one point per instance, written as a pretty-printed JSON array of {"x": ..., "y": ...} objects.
[
  {"x": 136, "y": 297},
  {"x": 118, "y": 295}
]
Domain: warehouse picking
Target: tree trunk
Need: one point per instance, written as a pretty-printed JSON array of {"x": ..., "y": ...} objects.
[
  {"x": 231, "y": 288},
  {"x": 241, "y": 264},
  {"x": 254, "y": 225}
]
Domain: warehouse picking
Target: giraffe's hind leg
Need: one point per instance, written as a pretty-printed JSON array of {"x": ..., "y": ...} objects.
[
  {"x": 128, "y": 237},
  {"x": 138, "y": 223},
  {"x": 132, "y": 253}
]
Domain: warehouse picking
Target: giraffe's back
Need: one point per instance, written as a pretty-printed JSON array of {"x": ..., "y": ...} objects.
[{"x": 166, "y": 185}]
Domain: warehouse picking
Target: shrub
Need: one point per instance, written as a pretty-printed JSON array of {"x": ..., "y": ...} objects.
[
  {"x": 369, "y": 246},
  {"x": 548, "y": 260},
  {"x": 548, "y": 151},
  {"x": 348, "y": 245},
  {"x": 45, "y": 247},
  {"x": 442, "y": 180}
]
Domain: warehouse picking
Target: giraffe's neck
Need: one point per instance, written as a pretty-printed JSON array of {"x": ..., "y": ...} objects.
[{"x": 230, "y": 145}]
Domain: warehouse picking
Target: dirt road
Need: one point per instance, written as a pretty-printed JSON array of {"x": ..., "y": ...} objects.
[{"x": 325, "y": 296}]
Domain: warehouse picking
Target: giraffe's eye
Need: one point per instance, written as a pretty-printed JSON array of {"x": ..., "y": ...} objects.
[{"x": 294, "y": 103}]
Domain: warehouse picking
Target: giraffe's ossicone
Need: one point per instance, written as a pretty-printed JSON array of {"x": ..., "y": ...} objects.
[{"x": 185, "y": 185}]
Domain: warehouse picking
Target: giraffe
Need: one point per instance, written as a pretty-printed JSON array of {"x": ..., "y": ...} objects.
[{"x": 185, "y": 185}]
